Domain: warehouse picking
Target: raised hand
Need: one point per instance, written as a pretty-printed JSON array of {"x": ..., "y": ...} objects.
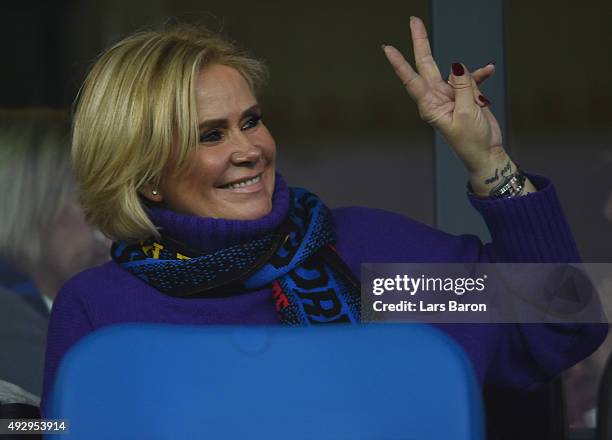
[{"x": 456, "y": 108}]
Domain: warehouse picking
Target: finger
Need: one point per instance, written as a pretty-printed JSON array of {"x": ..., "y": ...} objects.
[
  {"x": 415, "y": 85},
  {"x": 425, "y": 64},
  {"x": 480, "y": 99},
  {"x": 484, "y": 73},
  {"x": 480, "y": 75},
  {"x": 462, "y": 83}
]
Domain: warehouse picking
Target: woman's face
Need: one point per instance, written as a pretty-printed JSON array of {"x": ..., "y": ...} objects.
[{"x": 231, "y": 173}]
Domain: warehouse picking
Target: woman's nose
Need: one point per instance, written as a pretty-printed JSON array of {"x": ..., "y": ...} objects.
[{"x": 246, "y": 152}]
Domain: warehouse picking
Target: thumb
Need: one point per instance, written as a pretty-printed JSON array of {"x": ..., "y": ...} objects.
[{"x": 461, "y": 81}]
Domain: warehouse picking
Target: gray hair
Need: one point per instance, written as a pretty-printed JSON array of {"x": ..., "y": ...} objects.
[{"x": 35, "y": 177}]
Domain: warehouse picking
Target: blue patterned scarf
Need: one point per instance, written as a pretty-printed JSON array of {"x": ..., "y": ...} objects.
[{"x": 310, "y": 283}]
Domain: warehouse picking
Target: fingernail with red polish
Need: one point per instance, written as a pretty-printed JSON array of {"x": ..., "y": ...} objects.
[
  {"x": 484, "y": 100},
  {"x": 457, "y": 69}
]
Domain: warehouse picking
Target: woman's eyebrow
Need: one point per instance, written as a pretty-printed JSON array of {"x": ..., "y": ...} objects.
[{"x": 223, "y": 123}]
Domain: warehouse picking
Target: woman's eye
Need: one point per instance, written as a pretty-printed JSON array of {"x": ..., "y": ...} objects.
[
  {"x": 252, "y": 122},
  {"x": 210, "y": 136}
]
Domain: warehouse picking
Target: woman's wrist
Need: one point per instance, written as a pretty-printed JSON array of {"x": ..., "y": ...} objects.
[{"x": 499, "y": 177}]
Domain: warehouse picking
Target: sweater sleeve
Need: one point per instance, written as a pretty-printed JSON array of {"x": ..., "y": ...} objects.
[
  {"x": 68, "y": 323},
  {"x": 533, "y": 229},
  {"x": 526, "y": 229}
]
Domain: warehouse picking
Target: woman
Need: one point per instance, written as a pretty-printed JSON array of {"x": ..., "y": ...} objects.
[{"x": 176, "y": 165}]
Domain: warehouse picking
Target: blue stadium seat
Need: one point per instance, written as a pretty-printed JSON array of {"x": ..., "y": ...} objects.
[{"x": 335, "y": 382}]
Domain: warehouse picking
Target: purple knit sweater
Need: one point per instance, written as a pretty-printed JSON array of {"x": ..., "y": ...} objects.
[{"x": 531, "y": 228}]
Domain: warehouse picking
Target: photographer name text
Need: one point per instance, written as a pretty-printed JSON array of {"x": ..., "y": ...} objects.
[{"x": 434, "y": 287}]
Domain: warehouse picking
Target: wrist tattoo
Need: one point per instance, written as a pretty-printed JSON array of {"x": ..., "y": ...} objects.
[
  {"x": 494, "y": 178},
  {"x": 505, "y": 170}
]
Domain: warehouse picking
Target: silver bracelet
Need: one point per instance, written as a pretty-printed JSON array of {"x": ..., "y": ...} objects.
[{"x": 511, "y": 186}]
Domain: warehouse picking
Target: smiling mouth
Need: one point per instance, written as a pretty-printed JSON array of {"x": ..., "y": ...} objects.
[{"x": 242, "y": 183}]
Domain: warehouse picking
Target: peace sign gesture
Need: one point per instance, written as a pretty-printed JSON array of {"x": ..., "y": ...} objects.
[{"x": 455, "y": 108}]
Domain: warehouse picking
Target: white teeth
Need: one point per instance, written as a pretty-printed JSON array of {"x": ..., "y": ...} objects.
[{"x": 244, "y": 183}]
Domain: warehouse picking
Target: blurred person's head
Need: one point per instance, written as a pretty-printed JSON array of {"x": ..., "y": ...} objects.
[
  {"x": 170, "y": 117},
  {"x": 43, "y": 232}
]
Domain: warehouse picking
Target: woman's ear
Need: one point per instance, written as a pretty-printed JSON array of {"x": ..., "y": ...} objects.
[{"x": 151, "y": 192}]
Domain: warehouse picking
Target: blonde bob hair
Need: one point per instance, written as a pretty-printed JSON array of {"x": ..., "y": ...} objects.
[
  {"x": 135, "y": 112},
  {"x": 35, "y": 178}
]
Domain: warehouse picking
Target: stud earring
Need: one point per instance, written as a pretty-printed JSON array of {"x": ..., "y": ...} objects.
[{"x": 154, "y": 192}]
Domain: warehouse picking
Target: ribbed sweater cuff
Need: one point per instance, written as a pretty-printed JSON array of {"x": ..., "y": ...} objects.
[{"x": 529, "y": 228}]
